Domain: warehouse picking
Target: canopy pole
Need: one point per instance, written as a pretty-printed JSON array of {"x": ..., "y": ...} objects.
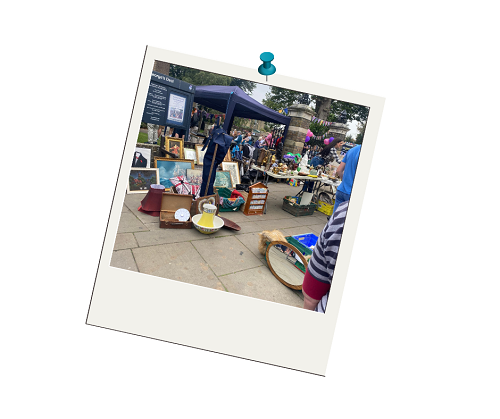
[{"x": 228, "y": 121}]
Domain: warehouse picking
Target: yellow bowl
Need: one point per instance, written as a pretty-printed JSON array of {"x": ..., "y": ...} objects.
[{"x": 218, "y": 224}]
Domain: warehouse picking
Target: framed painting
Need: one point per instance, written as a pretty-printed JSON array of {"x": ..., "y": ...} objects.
[
  {"x": 190, "y": 154},
  {"x": 199, "y": 154},
  {"x": 233, "y": 168},
  {"x": 223, "y": 179},
  {"x": 194, "y": 176},
  {"x": 175, "y": 146},
  {"x": 142, "y": 157},
  {"x": 169, "y": 168},
  {"x": 141, "y": 178}
]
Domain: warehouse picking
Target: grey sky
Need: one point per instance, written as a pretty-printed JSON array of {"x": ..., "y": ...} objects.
[{"x": 259, "y": 95}]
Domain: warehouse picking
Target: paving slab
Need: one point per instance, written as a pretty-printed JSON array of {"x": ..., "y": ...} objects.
[
  {"x": 278, "y": 224},
  {"x": 130, "y": 224},
  {"x": 123, "y": 259},
  {"x": 179, "y": 262},
  {"x": 125, "y": 209},
  {"x": 168, "y": 235},
  {"x": 132, "y": 202},
  {"x": 249, "y": 227},
  {"x": 307, "y": 220},
  {"x": 154, "y": 225},
  {"x": 295, "y": 231},
  {"x": 226, "y": 255},
  {"x": 317, "y": 229},
  {"x": 321, "y": 216},
  {"x": 251, "y": 242},
  {"x": 236, "y": 216},
  {"x": 277, "y": 214},
  {"x": 260, "y": 283},
  {"x": 125, "y": 241}
]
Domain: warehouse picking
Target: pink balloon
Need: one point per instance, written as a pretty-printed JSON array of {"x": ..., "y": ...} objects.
[
  {"x": 307, "y": 139},
  {"x": 326, "y": 141}
]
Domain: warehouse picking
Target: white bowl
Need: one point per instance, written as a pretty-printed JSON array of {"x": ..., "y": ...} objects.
[{"x": 218, "y": 224}]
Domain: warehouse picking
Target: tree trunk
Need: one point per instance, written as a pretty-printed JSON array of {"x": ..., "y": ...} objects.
[
  {"x": 323, "y": 105},
  {"x": 162, "y": 67}
]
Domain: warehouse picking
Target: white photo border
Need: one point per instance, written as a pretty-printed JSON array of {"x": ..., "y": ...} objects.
[{"x": 209, "y": 319}]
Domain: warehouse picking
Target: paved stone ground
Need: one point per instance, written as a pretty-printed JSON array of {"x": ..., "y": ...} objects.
[{"x": 227, "y": 260}]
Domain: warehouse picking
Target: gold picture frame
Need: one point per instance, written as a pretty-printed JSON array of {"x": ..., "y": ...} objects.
[
  {"x": 175, "y": 146},
  {"x": 169, "y": 168}
]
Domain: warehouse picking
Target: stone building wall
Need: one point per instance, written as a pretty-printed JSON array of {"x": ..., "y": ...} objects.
[{"x": 338, "y": 131}]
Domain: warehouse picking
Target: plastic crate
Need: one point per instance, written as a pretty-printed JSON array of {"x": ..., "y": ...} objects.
[
  {"x": 308, "y": 240},
  {"x": 225, "y": 193},
  {"x": 325, "y": 208},
  {"x": 297, "y": 209},
  {"x": 304, "y": 249}
]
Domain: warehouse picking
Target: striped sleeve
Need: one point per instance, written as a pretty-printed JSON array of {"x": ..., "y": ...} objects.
[{"x": 321, "y": 266}]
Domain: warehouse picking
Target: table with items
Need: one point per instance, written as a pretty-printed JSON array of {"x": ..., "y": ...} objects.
[{"x": 318, "y": 182}]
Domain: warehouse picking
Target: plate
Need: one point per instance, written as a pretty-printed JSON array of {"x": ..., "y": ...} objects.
[{"x": 182, "y": 214}]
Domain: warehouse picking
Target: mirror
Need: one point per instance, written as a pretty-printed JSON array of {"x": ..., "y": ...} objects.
[{"x": 286, "y": 263}]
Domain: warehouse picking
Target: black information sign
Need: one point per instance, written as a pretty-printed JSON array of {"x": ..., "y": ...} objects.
[
  {"x": 156, "y": 103},
  {"x": 169, "y": 101}
]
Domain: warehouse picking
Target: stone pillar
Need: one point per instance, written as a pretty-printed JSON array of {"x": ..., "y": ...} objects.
[
  {"x": 301, "y": 119},
  {"x": 338, "y": 131}
]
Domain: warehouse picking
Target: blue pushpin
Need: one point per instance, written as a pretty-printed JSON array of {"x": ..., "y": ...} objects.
[{"x": 266, "y": 68}]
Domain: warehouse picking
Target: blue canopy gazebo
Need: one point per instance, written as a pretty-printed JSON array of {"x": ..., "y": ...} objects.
[{"x": 233, "y": 101}]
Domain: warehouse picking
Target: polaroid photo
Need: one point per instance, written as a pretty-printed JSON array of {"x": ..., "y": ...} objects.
[{"x": 238, "y": 292}]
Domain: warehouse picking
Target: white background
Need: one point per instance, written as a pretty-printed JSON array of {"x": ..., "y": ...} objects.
[{"x": 418, "y": 329}]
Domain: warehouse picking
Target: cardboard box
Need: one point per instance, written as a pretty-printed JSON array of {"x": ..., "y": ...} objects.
[{"x": 171, "y": 202}]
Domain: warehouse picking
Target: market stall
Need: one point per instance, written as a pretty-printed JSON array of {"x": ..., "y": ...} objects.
[
  {"x": 319, "y": 182},
  {"x": 233, "y": 101}
]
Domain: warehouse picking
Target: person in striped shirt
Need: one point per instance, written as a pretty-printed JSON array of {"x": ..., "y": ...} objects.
[{"x": 321, "y": 266}]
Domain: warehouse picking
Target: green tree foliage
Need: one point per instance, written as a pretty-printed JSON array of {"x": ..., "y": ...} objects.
[
  {"x": 205, "y": 78},
  {"x": 361, "y": 132},
  {"x": 278, "y": 98},
  {"x": 247, "y": 86},
  {"x": 354, "y": 112}
]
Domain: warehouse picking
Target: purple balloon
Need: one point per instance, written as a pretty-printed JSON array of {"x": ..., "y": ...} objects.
[
  {"x": 331, "y": 139},
  {"x": 307, "y": 139}
]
